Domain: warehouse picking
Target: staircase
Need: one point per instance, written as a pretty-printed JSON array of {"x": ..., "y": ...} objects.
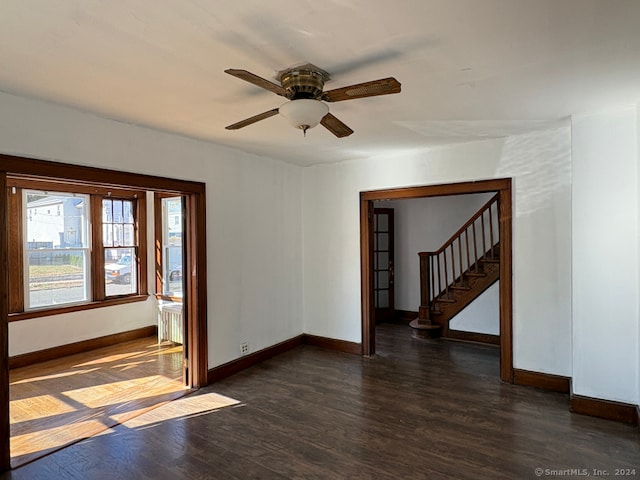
[{"x": 458, "y": 272}]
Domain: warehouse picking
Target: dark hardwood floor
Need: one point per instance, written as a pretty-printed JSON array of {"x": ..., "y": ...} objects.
[{"x": 418, "y": 409}]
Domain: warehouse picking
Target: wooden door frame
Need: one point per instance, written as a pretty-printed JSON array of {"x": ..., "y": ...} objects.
[
  {"x": 503, "y": 187},
  {"x": 5, "y": 454},
  {"x": 194, "y": 272}
]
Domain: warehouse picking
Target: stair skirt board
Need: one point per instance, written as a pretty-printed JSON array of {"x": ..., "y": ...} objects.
[
  {"x": 447, "y": 310},
  {"x": 473, "y": 337}
]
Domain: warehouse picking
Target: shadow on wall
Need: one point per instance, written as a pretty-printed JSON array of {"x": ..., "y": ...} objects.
[{"x": 539, "y": 163}]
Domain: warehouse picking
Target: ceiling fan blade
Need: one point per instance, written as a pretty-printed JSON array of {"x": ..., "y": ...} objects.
[
  {"x": 254, "y": 119},
  {"x": 259, "y": 81},
  {"x": 335, "y": 126},
  {"x": 383, "y": 86}
]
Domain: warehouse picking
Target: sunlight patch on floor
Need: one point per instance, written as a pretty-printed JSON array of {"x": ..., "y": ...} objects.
[
  {"x": 103, "y": 395},
  {"x": 62, "y": 401},
  {"x": 111, "y": 358},
  {"x": 127, "y": 366},
  {"x": 53, "y": 376},
  {"x": 183, "y": 407},
  {"x": 34, "y": 408},
  {"x": 56, "y": 437}
]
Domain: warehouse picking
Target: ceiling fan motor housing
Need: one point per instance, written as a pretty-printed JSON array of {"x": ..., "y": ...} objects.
[{"x": 306, "y": 81}]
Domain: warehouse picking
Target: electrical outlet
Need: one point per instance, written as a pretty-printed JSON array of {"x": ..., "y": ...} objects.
[{"x": 244, "y": 348}]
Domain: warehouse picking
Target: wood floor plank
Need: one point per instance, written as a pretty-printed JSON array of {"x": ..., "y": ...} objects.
[{"x": 418, "y": 409}]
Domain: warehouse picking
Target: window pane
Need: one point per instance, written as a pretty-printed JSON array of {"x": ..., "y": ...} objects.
[
  {"x": 107, "y": 235},
  {"x": 383, "y": 279},
  {"x": 118, "y": 235},
  {"x": 383, "y": 222},
  {"x": 383, "y": 260},
  {"x": 127, "y": 207},
  {"x": 382, "y": 299},
  {"x": 117, "y": 211},
  {"x": 120, "y": 271},
  {"x": 118, "y": 223},
  {"x": 48, "y": 229},
  {"x": 56, "y": 277},
  {"x": 107, "y": 211},
  {"x": 172, "y": 246},
  {"x": 128, "y": 234},
  {"x": 383, "y": 241},
  {"x": 121, "y": 264},
  {"x": 56, "y": 249}
]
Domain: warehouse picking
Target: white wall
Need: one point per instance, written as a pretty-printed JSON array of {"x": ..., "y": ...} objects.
[
  {"x": 424, "y": 224},
  {"x": 540, "y": 164},
  {"x": 253, "y": 226},
  {"x": 482, "y": 315},
  {"x": 605, "y": 255}
]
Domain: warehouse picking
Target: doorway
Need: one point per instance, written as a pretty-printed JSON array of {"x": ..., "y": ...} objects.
[
  {"x": 193, "y": 264},
  {"x": 367, "y": 226}
]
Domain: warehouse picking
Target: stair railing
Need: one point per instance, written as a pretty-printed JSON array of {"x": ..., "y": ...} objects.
[{"x": 445, "y": 268}]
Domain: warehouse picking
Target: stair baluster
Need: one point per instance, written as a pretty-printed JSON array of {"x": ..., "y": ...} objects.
[{"x": 433, "y": 290}]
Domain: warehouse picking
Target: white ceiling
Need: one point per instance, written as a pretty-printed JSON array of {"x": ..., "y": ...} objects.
[{"x": 469, "y": 68}]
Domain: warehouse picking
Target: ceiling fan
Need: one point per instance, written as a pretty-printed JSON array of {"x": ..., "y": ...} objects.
[{"x": 302, "y": 86}]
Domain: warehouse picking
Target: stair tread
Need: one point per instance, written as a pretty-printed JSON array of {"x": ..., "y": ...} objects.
[
  {"x": 490, "y": 260},
  {"x": 460, "y": 287},
  {"x": 474, "y": 274},
  {"x": 446, "y": 300}
]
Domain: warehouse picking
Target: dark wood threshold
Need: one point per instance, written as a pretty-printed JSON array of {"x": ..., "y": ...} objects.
[
  {"x": 607, "y": 409},
  {"x": 472, "y": 337},
  {"x": 53, "y": 353},
  {"x": 545, "y": 381}
]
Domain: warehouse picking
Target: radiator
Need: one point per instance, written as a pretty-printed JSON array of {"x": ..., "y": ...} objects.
[{"x": 170, "y": 322}]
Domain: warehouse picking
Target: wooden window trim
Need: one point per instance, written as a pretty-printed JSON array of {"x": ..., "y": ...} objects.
[
  {"x": 62, "y": 185},
  {"x": 48, "y": 312},
  {"x": 96, "y": 193},
  {"x": 15, "y": 236},
  {"x": 157, "y": 248},
  {"x": 140, "y": 226},
  {"x": 5, "y": 453},
  {"x": 97, "y": 263}
]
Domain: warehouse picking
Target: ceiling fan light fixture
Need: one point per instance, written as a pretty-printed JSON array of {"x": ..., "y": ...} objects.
[{"x": 304, "y": 113}]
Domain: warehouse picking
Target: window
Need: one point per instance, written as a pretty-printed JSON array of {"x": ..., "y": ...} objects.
[
  {"x": 56, "y": 250},
  {"x": 73, "y": 246},
  {"x": 169, "y": 229},
  {"x": 120, "y": 248}
]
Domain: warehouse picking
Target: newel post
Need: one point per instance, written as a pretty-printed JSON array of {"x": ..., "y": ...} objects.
[
  {"x": 422, "y": 326},
  {"x": 424, "y": 313}
]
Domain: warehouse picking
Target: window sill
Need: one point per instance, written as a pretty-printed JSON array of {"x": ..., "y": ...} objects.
[
  {"x": 168, "y": 298},
  {"x": 14, "y": 317}
]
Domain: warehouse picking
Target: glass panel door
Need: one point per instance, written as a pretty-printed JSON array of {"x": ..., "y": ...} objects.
[{"x": 383, "y": 264}]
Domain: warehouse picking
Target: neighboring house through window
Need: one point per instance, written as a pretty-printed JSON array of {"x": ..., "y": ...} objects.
[{"x": 56, "y": 249}]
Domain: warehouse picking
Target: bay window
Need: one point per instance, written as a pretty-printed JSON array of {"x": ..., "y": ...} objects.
[{"x": 73, "y": 246}]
